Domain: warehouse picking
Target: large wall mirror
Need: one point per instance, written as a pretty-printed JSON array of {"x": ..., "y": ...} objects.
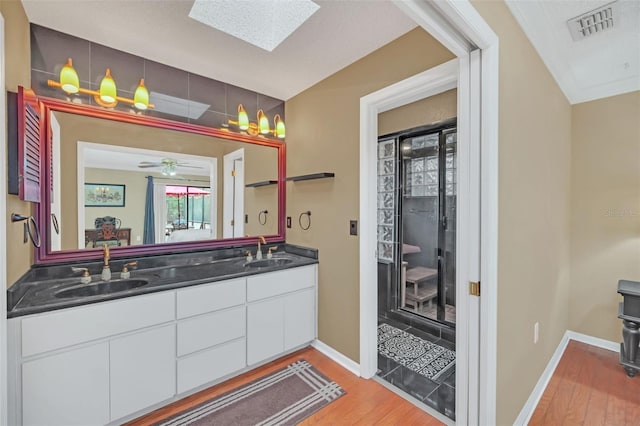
[{"x": 150, "y": 186}]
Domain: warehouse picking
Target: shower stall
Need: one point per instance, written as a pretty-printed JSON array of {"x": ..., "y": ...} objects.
[{"x": 417, "y": 226}]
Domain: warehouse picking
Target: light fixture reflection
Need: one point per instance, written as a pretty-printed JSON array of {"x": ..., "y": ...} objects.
[
  {"x": 108, "y": 91},
  {"x": 141, "y": 97},
  {"x": 279, "y": 132},
  {"x": 69, "y": 80},
  {"x": 243, "y": 118},
  {"x": 263, "y": 122}
]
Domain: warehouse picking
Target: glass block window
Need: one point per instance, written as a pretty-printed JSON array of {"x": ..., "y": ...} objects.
[
  {"x": 386, "y": 199},
  {"x": 451, "y": 165},
  {"x": 422, "y": 176}
]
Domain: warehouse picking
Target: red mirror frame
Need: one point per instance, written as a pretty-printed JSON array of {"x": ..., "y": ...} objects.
[{"x": 43, "y": 254}]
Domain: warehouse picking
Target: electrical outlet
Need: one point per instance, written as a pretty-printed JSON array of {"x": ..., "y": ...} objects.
[
  {"x": 288, "y": 221},
  {"x": 353, "y": 227},
  {"x": 536, "y": 332}
]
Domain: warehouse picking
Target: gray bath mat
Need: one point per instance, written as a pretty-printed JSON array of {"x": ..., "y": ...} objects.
[{"x": 425, "y": 358}]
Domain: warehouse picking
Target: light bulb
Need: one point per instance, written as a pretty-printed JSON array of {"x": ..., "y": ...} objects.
[
  {"x": 141, "y": 97},
  {"x": 243, "y": 118},
  {"x": 280, "y": 130},
  {"x": 263, "y": 122},
  {"x": 69, "y": 80},
  {"x": 108, "y": 88}
]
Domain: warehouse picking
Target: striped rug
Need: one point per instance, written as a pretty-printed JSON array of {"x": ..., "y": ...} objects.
[{"x": 284, "y": 397}]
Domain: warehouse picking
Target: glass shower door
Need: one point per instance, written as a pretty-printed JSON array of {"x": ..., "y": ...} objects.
[{"x": 428, "y": 225}]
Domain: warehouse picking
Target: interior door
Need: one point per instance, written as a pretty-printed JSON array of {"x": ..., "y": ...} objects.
[{"x": 233, "y": 195}]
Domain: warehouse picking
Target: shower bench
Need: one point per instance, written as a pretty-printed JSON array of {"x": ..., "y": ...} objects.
[{"x": 424, "y": 289}]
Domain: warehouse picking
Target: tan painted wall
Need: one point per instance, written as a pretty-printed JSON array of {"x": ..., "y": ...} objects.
[
  {"x": 18, "y": 73},
  {"x": 605, "y": 211},
  {"x": 534, "y": 213},
  {"x": 323, "y": 136},
  {"x": 134, "y": 201},
  {"x": 423, "y": 112}
]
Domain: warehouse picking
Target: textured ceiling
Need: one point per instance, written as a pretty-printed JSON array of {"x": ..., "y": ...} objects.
[
  {"x": 601, "y": 65},
  {"x": 338, "y": 34}
]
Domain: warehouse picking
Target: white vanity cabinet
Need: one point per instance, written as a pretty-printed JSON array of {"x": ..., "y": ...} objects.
[
  {"x": 142, "y": 369},
  {"x": 211, "y": 332},
  {"x": 113, "y": 361},
  {"x": 281, "y": 312},
  {"x": 67, "y": 388}
]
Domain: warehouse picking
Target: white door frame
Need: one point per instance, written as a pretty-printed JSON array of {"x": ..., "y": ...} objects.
[
  {"x": 56, "y": 205},
  {"x": 3, "y": 231},
  {"x": 455, "y": 25},
  {"x": 233, "y": 195}
]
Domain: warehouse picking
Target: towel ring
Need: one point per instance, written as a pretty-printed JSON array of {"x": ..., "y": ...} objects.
[
  {"x": 27, "y": 230},
  {"x": 56, "y": 225},
  {"x": 262, "y": 214},
  {"x": 29, "y": 222},
  {"x": 308, "y": 213}
]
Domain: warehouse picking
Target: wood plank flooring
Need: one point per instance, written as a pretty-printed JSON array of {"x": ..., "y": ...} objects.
[
  {"x": 589, "y": 387},
  {"x": 366, "y": 402}
]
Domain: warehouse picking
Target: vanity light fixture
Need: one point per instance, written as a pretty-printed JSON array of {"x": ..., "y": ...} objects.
[
  {"x": 107, "y": 96},
  {"x": 261, "y": 127},
  {"x": 279, "y": 132}
]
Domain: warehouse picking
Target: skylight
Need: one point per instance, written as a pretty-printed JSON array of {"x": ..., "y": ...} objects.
[{"x": 263, "y": 23}]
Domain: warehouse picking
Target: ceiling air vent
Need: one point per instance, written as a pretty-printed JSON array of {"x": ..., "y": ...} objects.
[{"x": 593, "y": 22}]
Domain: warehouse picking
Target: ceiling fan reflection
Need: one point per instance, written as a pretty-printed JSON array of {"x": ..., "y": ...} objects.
[{"x": 168, "y": 165}]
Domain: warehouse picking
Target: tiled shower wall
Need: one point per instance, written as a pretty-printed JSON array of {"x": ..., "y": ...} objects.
[
  {"x": 197, "y": 99},
  {"x": 387, "y": 200}
]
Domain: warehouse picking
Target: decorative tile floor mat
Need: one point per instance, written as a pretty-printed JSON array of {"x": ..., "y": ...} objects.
[{"x": 425, "y": 358}]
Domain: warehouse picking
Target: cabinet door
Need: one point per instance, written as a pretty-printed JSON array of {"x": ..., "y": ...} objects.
[
  {"x": 299, "y": 318},
  {"x": 143, "y": 370},
  {"x": 69, "y": 388},
  {"x": 265, "y": 331}
]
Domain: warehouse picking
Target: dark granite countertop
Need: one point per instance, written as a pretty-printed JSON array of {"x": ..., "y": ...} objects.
[{"x": 40, "y": 290}]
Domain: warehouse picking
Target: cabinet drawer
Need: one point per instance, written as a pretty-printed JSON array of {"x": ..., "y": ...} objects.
[
  {"x": 210, "y": 297},
  {"x": 275, "y": 283},
  {"x": 211, "y": 329},
  {"x": 197, "y": 369},
  {"x": 68, "y": 327}
]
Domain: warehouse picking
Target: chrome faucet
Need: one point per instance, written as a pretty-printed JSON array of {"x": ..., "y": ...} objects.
[
  {"x": 106, "y": 270},
  {"x": 259, "y": 252}
]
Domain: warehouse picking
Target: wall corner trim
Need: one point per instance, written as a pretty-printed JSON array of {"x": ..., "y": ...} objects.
[
  {"x": 532, "y": 402},
  {"x": 337, "y": 357}
]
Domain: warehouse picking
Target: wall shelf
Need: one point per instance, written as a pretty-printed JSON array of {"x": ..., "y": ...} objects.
[
  {"x": 261, "y": 183},
  {"x": 311, "y": 176}
]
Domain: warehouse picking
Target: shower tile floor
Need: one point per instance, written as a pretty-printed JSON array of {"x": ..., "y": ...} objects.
[
  {"x": 440, "y": 394},
  {"x": 449, "y": 313}
]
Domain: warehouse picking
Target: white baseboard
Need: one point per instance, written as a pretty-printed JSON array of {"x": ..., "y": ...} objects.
[
  {"x": 594, "y": 341},
  {"x": 531, "y": 404},
  {"x": 337, "y": 357}
]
